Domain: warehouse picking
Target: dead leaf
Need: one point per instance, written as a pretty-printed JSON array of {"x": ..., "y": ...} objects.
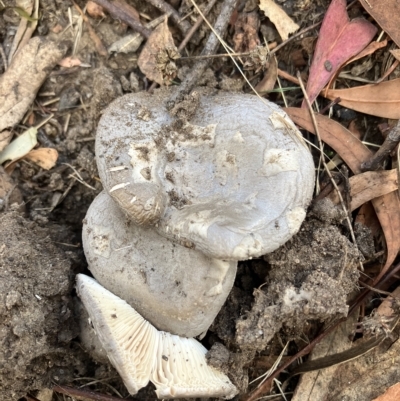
[
  {"x": 127, "y": 9},
  {"x": 69, "y": 62},
  {"x": 353, "y": 152},
  {"x": 370, "y": 49},
  {"x": 5, "y": 138},
  {"x": 26, "y": 26},
  {"x": 339, "y": 40},
  {"x": 94, "y": 10},
  {"x": 369, "y": 185},
  {"x": 385, "y": 14},
  {"x": 156, "y": 60},
  {"x": 28, "y": 70},
  {"x": 245, "y": 38},
  {"x": 367, "y": 217},
  {"x": 314, "y": 386},
  {"x": 283, "y": 23},
  {"x": 43, "y": 157},
  {"x": 269, "y": 80},
  {"x": 20, "y": 146},
  {"x": 381, "y": 100},
  {"x": 130, "y": 43},
  {"x": 396, "y": 54},
  {"x": 391, "y": 394},
  {"x": 101, "y": 49}
]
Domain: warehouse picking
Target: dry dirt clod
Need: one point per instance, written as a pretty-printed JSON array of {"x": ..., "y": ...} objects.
[{"x": 35, "y": 315}]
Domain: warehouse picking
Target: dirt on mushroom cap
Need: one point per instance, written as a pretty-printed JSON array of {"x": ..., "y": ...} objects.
[{"x": 234, "y": 182}]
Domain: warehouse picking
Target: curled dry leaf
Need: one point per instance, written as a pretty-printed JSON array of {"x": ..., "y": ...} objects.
[
  {"x": 268, "y": 82},
  {"x": 385, "y": 13},
  {"x": 369, "y": 185},
  {"x": 156, "y": 60},
  {"x": 353, "y": 152},
  {"x": 283, "y": 23},
  {"x": 28, "y": 70},
  {"x": 20, "y": 146},
  {"x": 43, "y": 157},
  {"x": 381, "y": 100},
  {"x": 339, "y": 40}
]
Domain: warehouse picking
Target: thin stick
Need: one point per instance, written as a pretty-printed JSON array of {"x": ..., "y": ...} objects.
[
  {"x": 118, "y": 13},
  {"x": 306, "y": 350},
  {"x": 312, "y": 115},
  {"x": 210, "y": 48},
  {"x": 166, "y": 8},
  {"x": 82, "y": 394},
  {"x": 196, "y": 25},
  {"x": 388, "y": 145}
]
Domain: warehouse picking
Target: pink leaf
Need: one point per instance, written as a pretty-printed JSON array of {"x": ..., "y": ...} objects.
[{"x": 339, "y": 40}]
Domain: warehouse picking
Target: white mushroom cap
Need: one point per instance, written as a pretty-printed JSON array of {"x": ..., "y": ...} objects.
[
  {"x": 234, "y": 182},
  {"x": 177, "y": 289},
  {"x": 176, "y": 365}
]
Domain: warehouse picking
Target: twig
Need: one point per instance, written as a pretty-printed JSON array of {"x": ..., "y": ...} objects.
[
  {"x": 196, "y": 25},
  {"x": 388, "y": 145},
  {"x": 166, "y": 8},
  {"x": 3, "y": 57},
  {"x": 314, "y": 121},
  {"x": 306, "y": 350},
  {"x": 118, "y": 13},
  {"x": 210, "y": 48}
]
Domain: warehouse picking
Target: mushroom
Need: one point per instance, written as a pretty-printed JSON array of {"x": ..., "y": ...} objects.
[
  {"x": 233, "y": 182},
  {"x": 177, "y": 289},
  {"x": 140, "y": 353}
]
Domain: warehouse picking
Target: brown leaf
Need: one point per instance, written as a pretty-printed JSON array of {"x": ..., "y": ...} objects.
[
  {"x": 369, "y": 185},
  {"x": 283, "y": 23},
  {"x": 385, "y": 13},
  {"x": 367, "y": 217},
  {"x": 43, "y": 157},
  {"x": 156, "y": 60},
  {"x": 269, "y": 80},
  {"x": 353, "y": 152},
  {"x": 245, "y": 37},
  {"x": 381, "y": 100},
  {"x": 391, "y": 394},
  {"x": 395, "y": 53}
]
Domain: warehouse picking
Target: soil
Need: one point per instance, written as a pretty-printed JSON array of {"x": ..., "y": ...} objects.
[{"x": 285, "y": 296}]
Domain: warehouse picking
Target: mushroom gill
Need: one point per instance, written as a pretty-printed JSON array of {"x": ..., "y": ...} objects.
[{"x": 175, "y": 365}]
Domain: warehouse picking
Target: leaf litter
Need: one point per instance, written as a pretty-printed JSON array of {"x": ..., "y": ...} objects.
[{"x": 380, "y": 186}]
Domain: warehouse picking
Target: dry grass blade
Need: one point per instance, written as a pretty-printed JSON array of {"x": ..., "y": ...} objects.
[
  {"x": 353, "y": 152},
  {"x": 381, "y": 100}
]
